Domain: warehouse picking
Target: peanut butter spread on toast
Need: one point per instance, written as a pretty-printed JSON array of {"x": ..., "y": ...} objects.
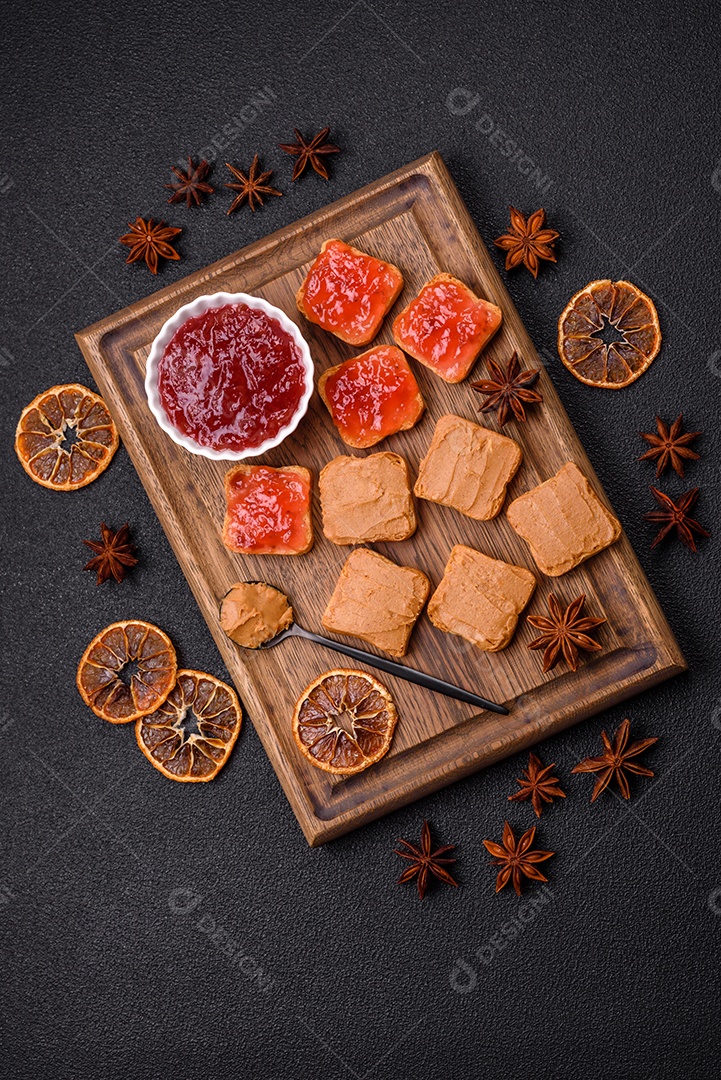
[
  {"x": 468, "y": 467},
  {"x": 563, "y": 521}
]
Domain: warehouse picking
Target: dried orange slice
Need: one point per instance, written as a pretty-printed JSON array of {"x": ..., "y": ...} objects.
[
  {"x": 192, "y": 756},
  {"x": 344, "y": 721},
  {"x": 631, "y": 317},
  {"x": 147, "y": 682},
  {"x": 66, "y": 437}
]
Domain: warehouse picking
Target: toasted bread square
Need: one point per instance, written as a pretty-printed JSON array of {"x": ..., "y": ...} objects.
[
  {"x": 268, "y": 511},
  {"x": 468, "y": 467},
  {"x": 366, "y": 499},
  {"x": 348, "y": 292},
  {"x": 377, "y": 601},
  {"x": 446, "y": 327},
  {"x": 371, "y": 396},
  {"x": 480, "y": 598},
  {"x": 563, "y": 521}
]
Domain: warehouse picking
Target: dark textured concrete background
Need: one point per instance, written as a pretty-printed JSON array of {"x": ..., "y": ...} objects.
[{"x": 154, "y": 930}]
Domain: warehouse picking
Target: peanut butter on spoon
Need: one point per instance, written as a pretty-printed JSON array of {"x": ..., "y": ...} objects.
[{"x": 252, "y": 613}]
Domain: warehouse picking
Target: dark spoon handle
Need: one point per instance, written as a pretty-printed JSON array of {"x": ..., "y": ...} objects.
[{"x": 400, "y": 670}]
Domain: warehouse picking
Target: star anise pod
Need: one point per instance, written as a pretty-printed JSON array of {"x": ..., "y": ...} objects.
[
  {"x": 670, "y": 446},
  {"x": 564, "y": 633},
  {"x": 527, "y": 241},
  {"x": 310, "y": 152},
  {"x": 516, "y": 859},
  {"x": 251, "y": 187},
  {"x": 114, "y": 553},
  {"x": 537, "y": 785},
  {"x": 425, "y": 862},
  {"x": 150, "y": 242},
  {"x": 615, "y": 761},
  {"x": 508, "y": 390},
  {"x": 192, "y": 184},
  {"x": 676, "y": 516}
]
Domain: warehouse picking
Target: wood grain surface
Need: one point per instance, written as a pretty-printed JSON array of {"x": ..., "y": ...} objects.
[{"x": 416, "y": 219}]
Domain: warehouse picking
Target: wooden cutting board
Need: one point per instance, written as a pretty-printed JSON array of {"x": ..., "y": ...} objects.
[{"x": 414, "y": 218}]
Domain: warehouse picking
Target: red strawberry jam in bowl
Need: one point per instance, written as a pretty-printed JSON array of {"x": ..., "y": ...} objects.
[{"x": 229, "y": 376}]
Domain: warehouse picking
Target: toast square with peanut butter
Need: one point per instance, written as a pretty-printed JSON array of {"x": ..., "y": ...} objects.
[
  {"x": 563, "y": 521},
  {"x": 366, "y": 500},
  {"x": 480, "y": 598},
  {"x": 468, "y": 467},
  {"x": 377, "y": 601}
]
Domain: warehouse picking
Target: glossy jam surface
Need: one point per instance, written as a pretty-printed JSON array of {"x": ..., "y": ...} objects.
[
  {"x": 231, "y": 378},
  {"x": 349, "y": 293},
  {"x": 267, "y": 510},
  {"x": 446, "y": 327},
  {"x": 373, "y": 395}
]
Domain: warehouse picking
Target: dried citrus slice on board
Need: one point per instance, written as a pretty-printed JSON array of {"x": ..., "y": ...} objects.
[
  {"x": 147, "y": 657},
  {"x": 66, "y": 437},
  {"x": 344, "y": 721},
  {"x": 632, "y": 319},
  {"x": 192, "y": 756}
]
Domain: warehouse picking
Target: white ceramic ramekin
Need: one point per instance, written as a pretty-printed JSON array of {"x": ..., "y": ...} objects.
[{"x": 197, "y": 307}]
